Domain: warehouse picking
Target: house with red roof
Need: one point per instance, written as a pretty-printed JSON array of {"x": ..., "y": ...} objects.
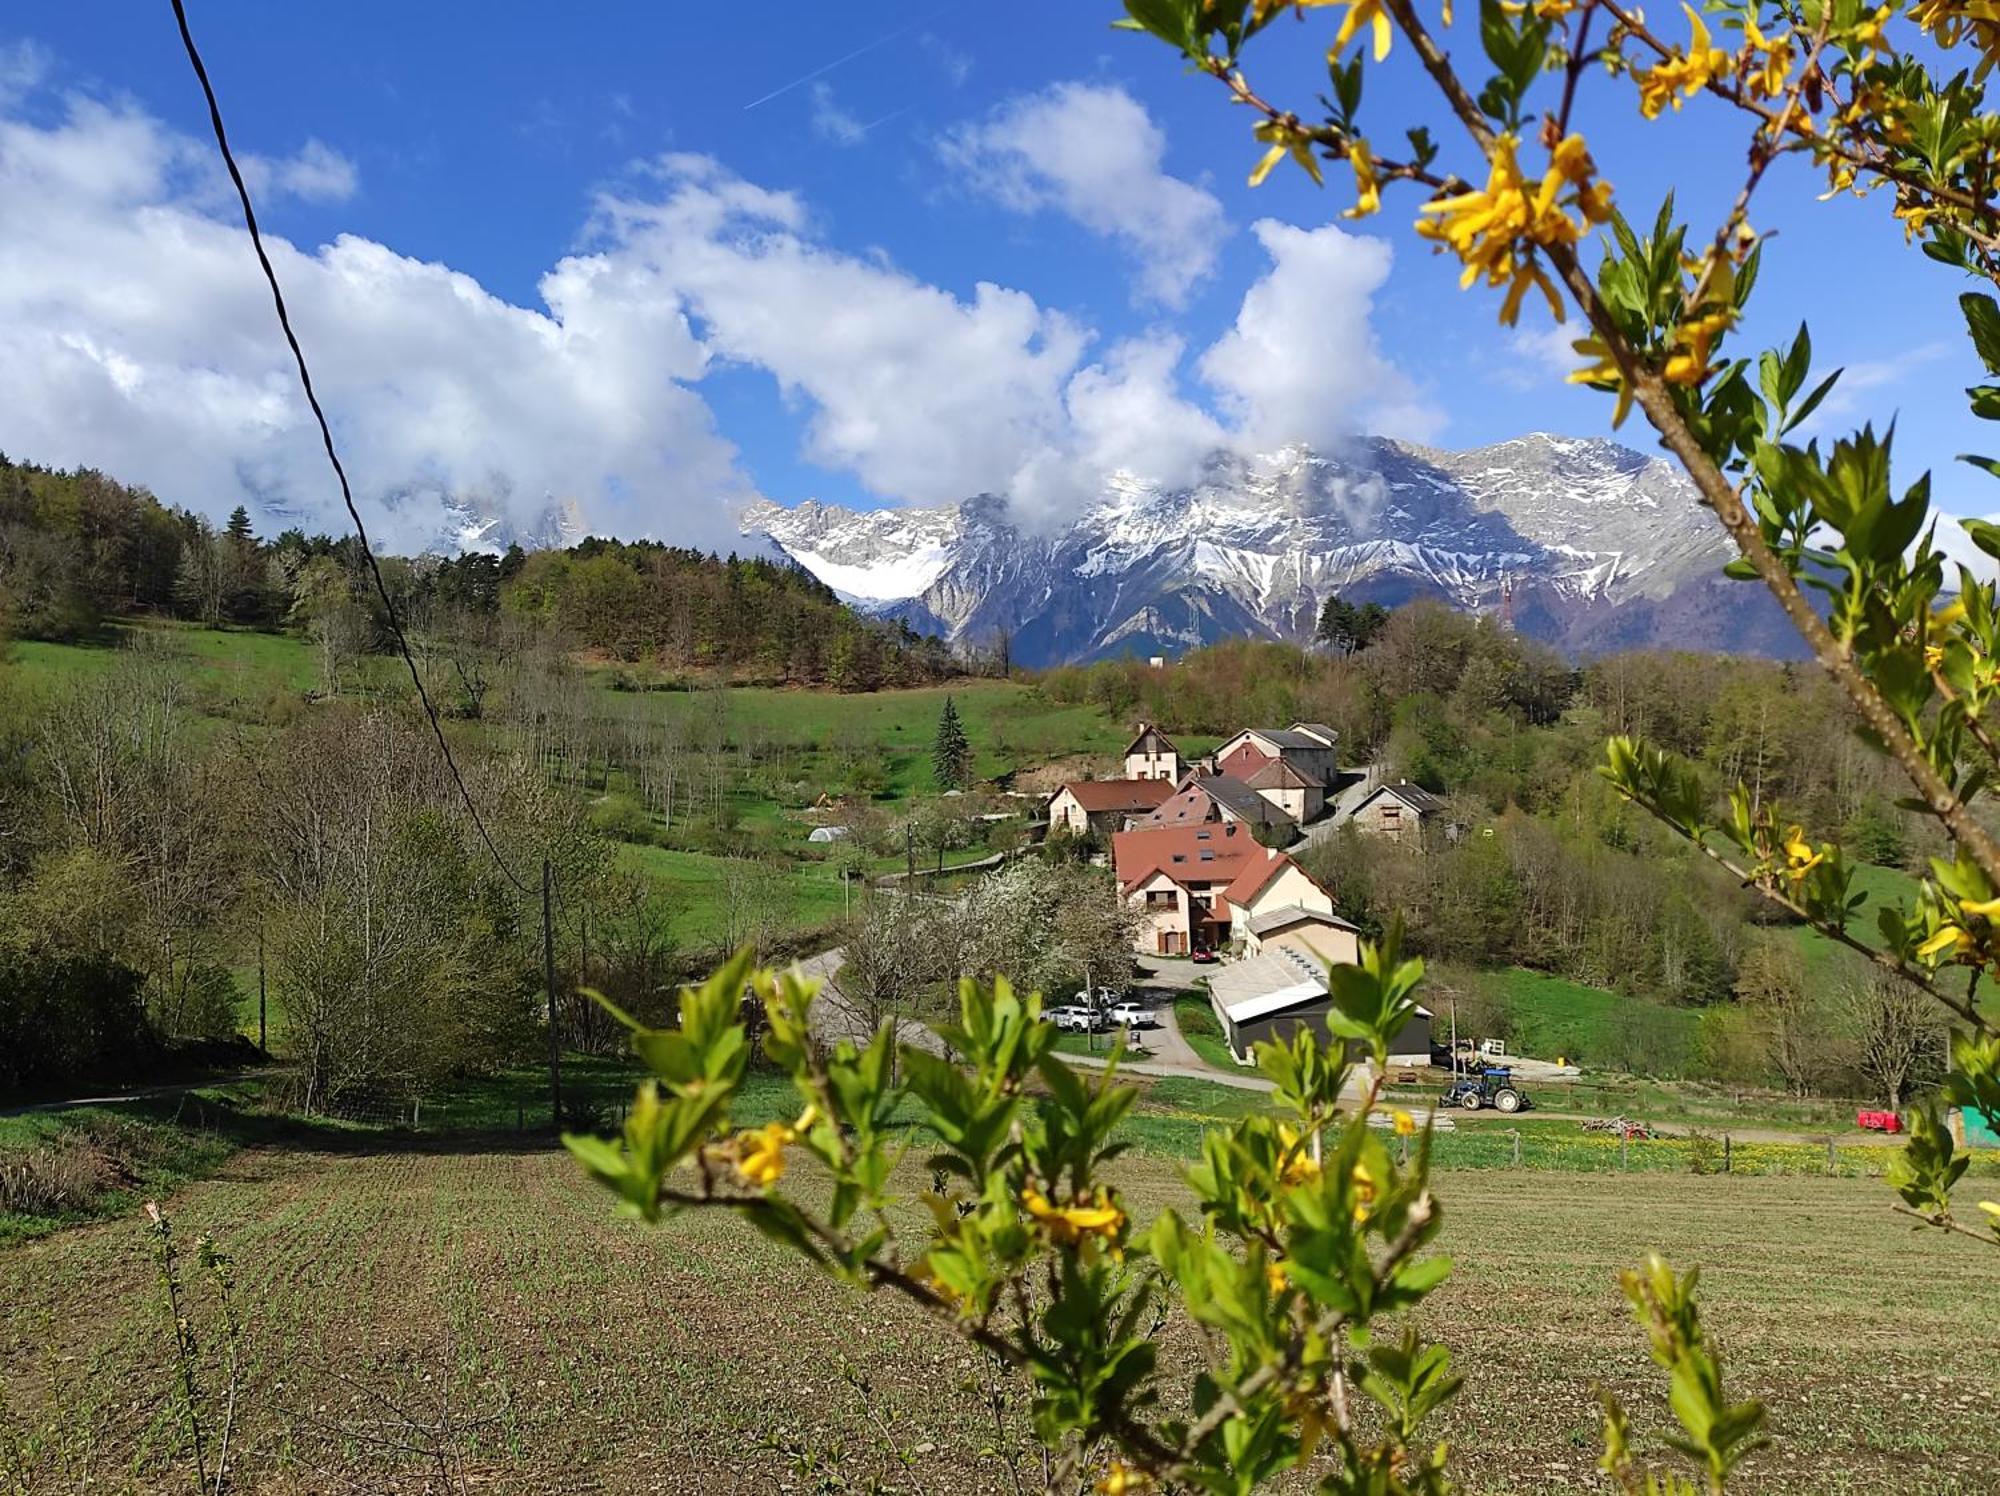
[
  {"x": 1197, "y": 884},
  {"x": 1106, "y": 805}
]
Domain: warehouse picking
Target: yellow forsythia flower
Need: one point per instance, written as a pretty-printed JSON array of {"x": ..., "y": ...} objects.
[
  {"x": 1363, "y": 13},
  {"x": 1800, "y": 858},
  {"x": 1405, "y": 1123},
  {"x": 1951, "y": 21},
  {"x": 1772, "y": 60},
  {"x": 1489, "y": 229},
  {"x": 760, "y": 1154},
  {"x": 1950, "y": 938},
  {"x": 1683, "y": 73},
  {"x": 1363, "y": 1190},
  {"x": 1300, "y": 1167},
  {"x": 1123, "y": 1480},
  {"x": 1071, "y": 1225},
  {"x": 1367, "y": 186}
]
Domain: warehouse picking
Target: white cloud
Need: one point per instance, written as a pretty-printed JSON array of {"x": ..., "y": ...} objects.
[
  {"x": 1301, "y": 362},
  {"x": 831, "y": 122},
  {"x": 1837, "y": 411},
  {"x": 317, "y": 174},
  {"x": 1092, "y": 152},
  {"x": 23, "y": 66},
  {"x": 136, "y": 336},
  {"x": 1542, "y": 356},
  {"x": 953, "y": 63}
]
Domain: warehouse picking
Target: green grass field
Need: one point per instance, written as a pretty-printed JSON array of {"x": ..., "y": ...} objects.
[
  {"x": 1203, "y": 1034},
  {"x": 232, "y": 662},
  {"x": 1552, "y": 1017},
  {"x": 791, "y": 745}
]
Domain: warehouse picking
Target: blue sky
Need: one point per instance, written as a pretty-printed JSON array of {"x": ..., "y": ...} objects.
[{"x": 774, "y": 229}]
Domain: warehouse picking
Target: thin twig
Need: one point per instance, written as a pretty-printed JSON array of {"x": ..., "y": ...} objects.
[{"x": 1944, "y": 1222}]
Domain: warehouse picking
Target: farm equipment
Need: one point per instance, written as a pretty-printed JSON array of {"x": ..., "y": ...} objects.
[
  {"x": 1493, "y": 1086},
  {"x": 1622, "y": 1127}
]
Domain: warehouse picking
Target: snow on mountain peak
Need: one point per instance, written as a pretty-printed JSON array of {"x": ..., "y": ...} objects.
[{"x": 1568, "y": 535}]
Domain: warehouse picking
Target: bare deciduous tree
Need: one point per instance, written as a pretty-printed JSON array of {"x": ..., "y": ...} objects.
[{"x": 1897, "y": 1033}]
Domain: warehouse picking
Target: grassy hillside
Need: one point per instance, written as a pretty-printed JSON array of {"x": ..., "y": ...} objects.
[
  {"x": 784, "y": 748},
  {"x": 1552, "y": 1018}
]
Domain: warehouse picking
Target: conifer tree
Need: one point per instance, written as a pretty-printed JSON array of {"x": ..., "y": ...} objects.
[{"x": 951, "y": 755}]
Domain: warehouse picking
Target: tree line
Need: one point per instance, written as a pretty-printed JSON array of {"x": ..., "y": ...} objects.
[{"x": 78, "y": 549}]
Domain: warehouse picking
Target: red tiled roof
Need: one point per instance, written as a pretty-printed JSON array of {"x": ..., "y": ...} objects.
[
  {"x": 1138, "y": 854},
  {"x": 1280, "y": 775},
  {"x": 1254, "y": 879},
  {"x": 1100, "y": 796}
]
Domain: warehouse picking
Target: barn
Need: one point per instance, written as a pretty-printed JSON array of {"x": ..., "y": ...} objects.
[{"x": 1272, "y": 994}]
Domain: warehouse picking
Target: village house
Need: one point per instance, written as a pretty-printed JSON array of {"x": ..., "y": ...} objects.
[
  {"x": 1152, "y": 755},
  {"x": 1402, "y": 813},
  {"x": 1282, "y": 784},
  {"x": 1105, "y": 805},
  {"x": 1313, "y": 933},
  {"x": 1217, "y": 798},
  {"x": 1310, "y": 749},
  {"x": 1195, "y": 884}
]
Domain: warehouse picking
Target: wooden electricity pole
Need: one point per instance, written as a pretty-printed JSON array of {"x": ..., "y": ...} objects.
[
  {"x": 263, "y": 1039},
  {"x": 549, "y": 983}
]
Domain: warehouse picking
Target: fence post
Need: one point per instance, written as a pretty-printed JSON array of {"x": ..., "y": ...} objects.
[
  {"x": 1830, "y": 1163},
  {"x": 1624, "y": 1142},
  {"x": 1725, "y": 1153},
  {"x": 1517, "y": 1146}
]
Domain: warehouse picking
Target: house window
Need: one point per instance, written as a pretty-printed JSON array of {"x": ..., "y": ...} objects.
[
  {"x": 1162, "y": 899},
  {"x": 1392, "y": 815}
]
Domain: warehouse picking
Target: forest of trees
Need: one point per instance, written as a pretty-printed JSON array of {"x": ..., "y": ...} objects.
[{"x": 78, "y": 548}]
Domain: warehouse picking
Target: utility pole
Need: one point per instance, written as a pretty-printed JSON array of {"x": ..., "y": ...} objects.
[
  {"x": 549, "y": 983},
  {"x": 263, "y": 1043}
]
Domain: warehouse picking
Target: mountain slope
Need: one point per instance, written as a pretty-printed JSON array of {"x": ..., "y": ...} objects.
[{"x": 1585, "y": 543}]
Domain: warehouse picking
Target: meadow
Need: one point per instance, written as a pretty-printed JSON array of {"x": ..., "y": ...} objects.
[
  {"x": 422, "y": 1315},
  {"x": 785, "y": 747}
]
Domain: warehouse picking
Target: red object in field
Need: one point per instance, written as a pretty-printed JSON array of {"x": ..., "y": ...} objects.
[{"x": 1878, "y": 1121}]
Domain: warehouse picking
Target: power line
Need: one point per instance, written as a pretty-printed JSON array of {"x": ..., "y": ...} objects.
[{"x": 332, "y": 456}]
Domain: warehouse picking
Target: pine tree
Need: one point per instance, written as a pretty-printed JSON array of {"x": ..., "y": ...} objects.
[{"x": 951, "y": 755}]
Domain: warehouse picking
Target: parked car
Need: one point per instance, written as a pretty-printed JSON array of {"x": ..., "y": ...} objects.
[
  {"x": 1072, "y": 1018},
  {"x": 1106, "y": 997},
  {"x": 1132, "y": 1015},
  {"x": 1201, "y": 955}
]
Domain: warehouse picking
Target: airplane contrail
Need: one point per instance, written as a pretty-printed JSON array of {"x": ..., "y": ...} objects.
[{"x": 880, "y": 41}]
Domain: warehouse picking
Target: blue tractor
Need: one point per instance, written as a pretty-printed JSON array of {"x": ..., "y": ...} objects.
[{"x": 1491, "y": 1086}]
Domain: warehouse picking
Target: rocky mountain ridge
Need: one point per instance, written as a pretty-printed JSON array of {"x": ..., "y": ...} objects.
[{"x": 1578, "y": 541}]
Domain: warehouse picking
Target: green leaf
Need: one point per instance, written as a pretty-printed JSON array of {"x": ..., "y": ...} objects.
[
  {"x": 1985, "y": 534},
  {"x": 1982, "y": 317}
]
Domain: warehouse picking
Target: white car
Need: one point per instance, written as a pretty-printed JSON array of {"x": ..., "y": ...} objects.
[
  {"x": 1073, "y": 1018},
  {"x": 1131, "y": 1015}
]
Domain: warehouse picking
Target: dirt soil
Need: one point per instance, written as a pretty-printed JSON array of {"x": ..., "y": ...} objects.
[{"x": 472, "y": 1320}]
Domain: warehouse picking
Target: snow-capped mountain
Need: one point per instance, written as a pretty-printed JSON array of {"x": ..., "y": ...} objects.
[
  {"x": 1580, "y": 541},
  {"x": 427, "y": 522},
  {"x": 463, "y": 526}
]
